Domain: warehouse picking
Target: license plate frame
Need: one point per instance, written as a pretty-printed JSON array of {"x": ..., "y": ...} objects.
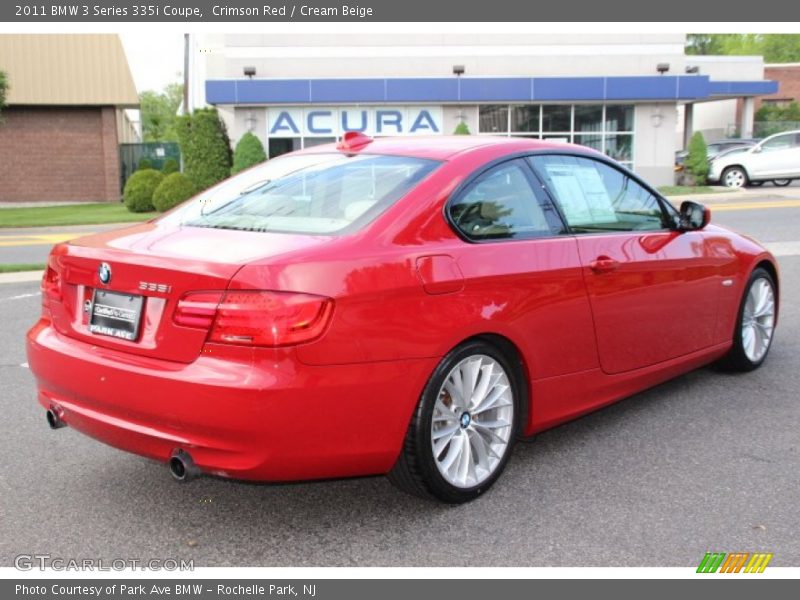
[{"x": 116, "y": 314}]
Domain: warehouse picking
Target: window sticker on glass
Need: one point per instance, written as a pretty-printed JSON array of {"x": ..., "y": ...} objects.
[{"x": 582, "y": 194}]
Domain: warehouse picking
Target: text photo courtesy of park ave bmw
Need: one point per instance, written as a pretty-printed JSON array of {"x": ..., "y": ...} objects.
[{"x": 442, "y": 299}]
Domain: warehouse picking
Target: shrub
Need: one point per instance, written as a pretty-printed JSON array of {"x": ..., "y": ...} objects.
[
  {"x": 697, "y": 161},
  {"x": 249, "y": 151},
  {"x": 462, "y": 129},
  {"x": 170, "y": 166},
  {"x": 139, "y": 188},
  {"x": 173, "y": 190},
  {"x": 205, "y": 147},
  {"x": 144, "y": 163}
]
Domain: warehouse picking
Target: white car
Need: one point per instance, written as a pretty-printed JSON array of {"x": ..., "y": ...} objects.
[{"x": 776, "y": 159}]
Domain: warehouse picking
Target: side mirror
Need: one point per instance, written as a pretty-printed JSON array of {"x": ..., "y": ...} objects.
[
  {"x": 756, "y": 149},
  {"x": 694, "y": 216}
]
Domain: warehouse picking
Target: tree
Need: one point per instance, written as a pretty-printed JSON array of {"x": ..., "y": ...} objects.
[
  {"x": 205, "y": 147},
  {"x": 775, "y": 48},
  {"x": 159, "y": 112},
  {"x": 462, "y": 129},
  {"x": 3, "y": 90},
  {"x": 249, "y": 151},
  {"x": 697, "y": 160}
]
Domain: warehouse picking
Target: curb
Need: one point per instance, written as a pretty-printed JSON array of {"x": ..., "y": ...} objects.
[{"x": 21, "y": 277}]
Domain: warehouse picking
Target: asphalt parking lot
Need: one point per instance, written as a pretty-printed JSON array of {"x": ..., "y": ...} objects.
[{"x": 706, "y": 462}]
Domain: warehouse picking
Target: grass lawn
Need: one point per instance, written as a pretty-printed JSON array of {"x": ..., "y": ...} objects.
[
  {"x": 73, "y": 214},
  {"x": 18, "y": 267},
  {"x": 687, "y": 190}
]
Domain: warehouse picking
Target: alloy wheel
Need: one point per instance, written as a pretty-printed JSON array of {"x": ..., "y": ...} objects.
[
  {"x": 472, "y": 421},
  {"x": 758, "y": 319}
]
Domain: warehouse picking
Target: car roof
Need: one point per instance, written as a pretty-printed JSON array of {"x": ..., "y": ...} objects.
[{"x": 444, "y": 147}]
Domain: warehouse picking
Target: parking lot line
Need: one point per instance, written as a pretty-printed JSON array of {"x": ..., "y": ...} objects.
[
  {"x": 37, "y": 239},
  {"x": 756, "y": 205}
]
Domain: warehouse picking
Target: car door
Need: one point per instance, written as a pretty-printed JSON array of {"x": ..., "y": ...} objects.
[
  {"x": 776, "y": 157},
  {"x": 522, "y": 274},
  {"x": 653, "y": 290}
]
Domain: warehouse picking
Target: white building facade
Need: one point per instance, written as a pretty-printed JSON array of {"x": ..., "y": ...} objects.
[{"x": 620, "y": 94}]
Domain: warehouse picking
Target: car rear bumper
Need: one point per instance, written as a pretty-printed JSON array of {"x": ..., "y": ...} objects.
[{"x": 262, "y": 415}]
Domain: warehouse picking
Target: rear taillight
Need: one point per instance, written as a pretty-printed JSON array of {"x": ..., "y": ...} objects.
[
  {"x": 51, "y": 289},
  {"x": 51, "y": 284},
  {"x": 256, "y": 318},
  {"x": 197, "y": 309}
]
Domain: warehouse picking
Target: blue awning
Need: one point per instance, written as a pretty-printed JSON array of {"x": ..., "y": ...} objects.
[{"x": 479, "y": 89}]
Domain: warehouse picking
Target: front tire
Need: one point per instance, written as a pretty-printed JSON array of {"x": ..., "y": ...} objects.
[
  {"x": 734, "y": 177},
  {"x": 781, "y": 182},
  {"x": 464, "y": 428},
  {"x": 755, "y": 324}
]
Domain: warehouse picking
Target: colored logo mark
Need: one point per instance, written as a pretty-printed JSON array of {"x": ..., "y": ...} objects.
[{"x": 735, "y": 562}]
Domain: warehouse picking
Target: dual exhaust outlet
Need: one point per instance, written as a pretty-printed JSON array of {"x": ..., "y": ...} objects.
[{"x": 181, "y": 466}]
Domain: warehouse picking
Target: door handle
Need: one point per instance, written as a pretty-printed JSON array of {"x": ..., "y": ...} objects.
[{"x": 603, "y": 264}]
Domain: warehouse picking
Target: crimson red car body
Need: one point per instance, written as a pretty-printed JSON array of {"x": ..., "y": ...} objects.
[{"x": 406, "y": 288}]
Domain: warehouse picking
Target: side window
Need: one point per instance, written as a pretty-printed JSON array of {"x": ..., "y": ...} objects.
[
  {"x": 501, "y": 204},
  {"x": 780, "y": 142},
  {"x": 594, "y": 196}
]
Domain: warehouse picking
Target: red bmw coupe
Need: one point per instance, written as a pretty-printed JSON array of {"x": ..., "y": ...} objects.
[{"x": 407, "y": 306}]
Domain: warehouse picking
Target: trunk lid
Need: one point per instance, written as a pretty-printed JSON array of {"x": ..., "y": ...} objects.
[{"x": 160, "y": 263}]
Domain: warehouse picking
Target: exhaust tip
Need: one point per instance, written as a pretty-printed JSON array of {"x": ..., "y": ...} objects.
[
  {"x": 54, "y": 419},
  {"x": 182, "y": 467}
]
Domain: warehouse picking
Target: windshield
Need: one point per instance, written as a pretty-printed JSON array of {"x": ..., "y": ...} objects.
[{"x": 311, "y": 193}]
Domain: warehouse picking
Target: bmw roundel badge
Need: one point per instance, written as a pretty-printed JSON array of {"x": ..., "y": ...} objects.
[{"x": 104, "y": 272}]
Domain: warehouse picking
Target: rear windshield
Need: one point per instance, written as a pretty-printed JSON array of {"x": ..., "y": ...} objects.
[{"x": 310, "y": 194}]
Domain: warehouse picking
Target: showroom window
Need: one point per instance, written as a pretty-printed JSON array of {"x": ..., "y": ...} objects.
[{"x": 607, "y": 128}]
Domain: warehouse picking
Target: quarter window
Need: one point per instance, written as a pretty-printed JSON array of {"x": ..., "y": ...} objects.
[
  {"x": 501, "y": 204},
  {"x": 594, "y": 196}
]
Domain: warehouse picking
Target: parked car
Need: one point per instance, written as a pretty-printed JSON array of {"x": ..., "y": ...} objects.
[
  {"x": 776, "y": 158},
  {"x": 715, "y": 148},
  {"x": 400, "y": 306}
]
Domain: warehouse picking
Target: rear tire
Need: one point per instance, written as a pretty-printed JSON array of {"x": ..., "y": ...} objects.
[
  {"x": 464, "y": 428},
  {"x": 734, "y": 178},
  {"x": 755, "y": 324},
  {"x": 781, "y": 182}
]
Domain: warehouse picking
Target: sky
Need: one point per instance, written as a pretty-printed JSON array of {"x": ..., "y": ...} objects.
[{"x": 154, "y": 62}]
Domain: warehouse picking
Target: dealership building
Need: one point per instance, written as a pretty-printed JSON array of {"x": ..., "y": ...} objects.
[{"x": 634, "y": 97}]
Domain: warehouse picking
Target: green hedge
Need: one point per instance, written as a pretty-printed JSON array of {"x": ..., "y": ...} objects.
[
  {"x": 144, "y": 164},
  {"x": 173, "y": 190},
  {"x": 139, "y": 189},
  {"x": 170, "y": 166},
  {"x": 249, "y": 151}
]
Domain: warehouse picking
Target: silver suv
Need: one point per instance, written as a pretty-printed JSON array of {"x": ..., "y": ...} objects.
[{"x": 776, "y": 159}]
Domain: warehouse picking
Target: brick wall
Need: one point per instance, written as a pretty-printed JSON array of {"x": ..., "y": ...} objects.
[
  {"x": 59, "y": 153},
  {"x": 788, "y": 78}
]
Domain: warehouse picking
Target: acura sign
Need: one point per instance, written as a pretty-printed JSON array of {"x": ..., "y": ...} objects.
[{"x": 283, "y": 122}]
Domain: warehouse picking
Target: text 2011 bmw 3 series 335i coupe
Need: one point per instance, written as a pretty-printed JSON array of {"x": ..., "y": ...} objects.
[{"x": 407, "y": 306}]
